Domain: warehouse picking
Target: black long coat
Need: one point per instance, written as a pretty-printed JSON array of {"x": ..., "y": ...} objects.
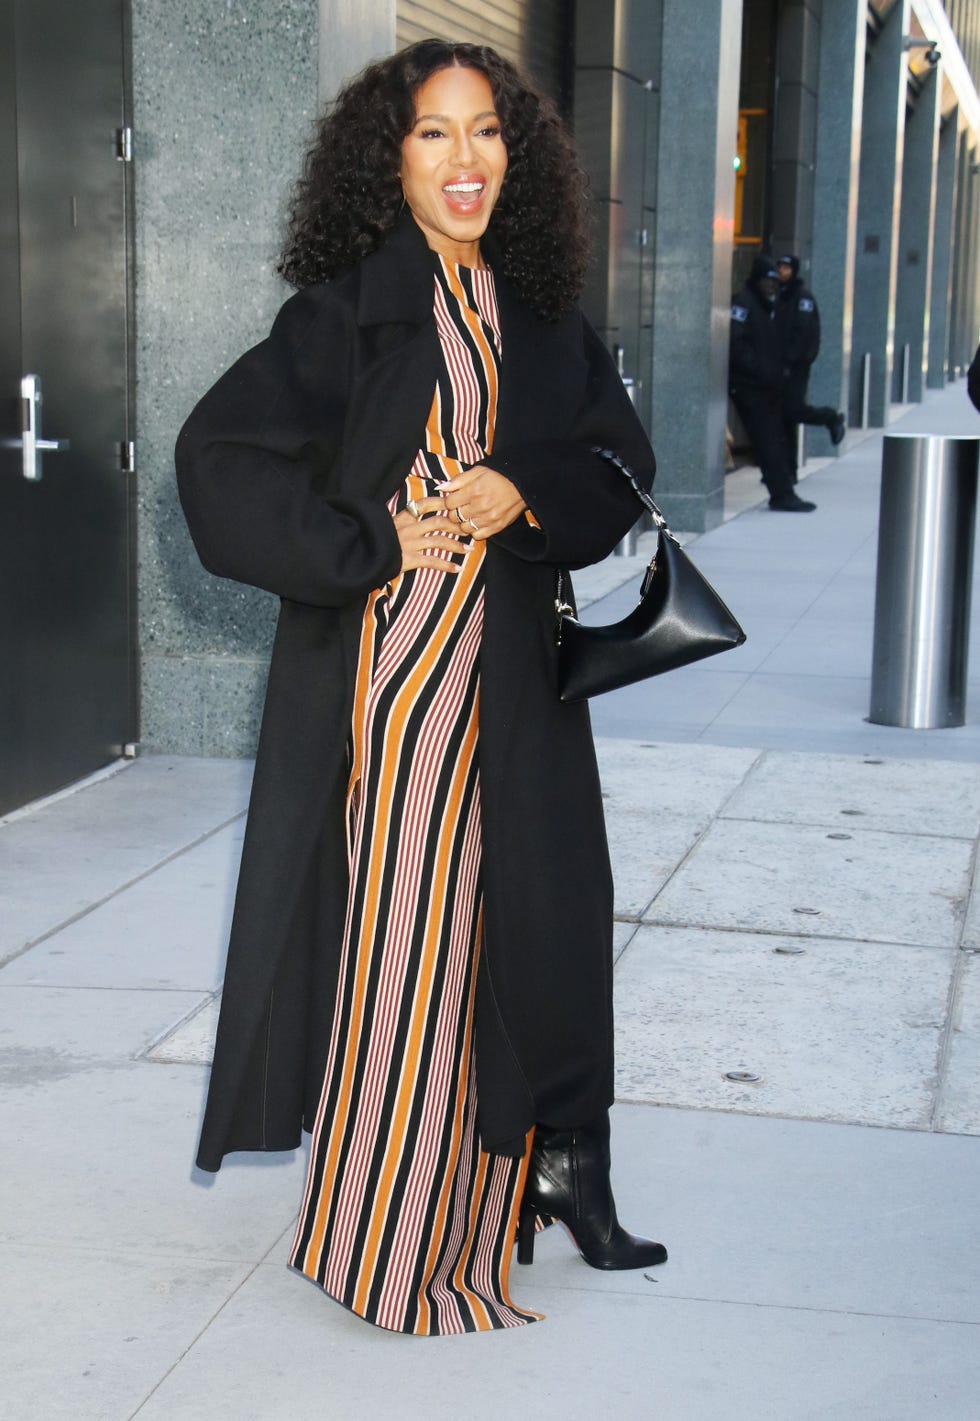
[{"x": 284, "y": 468}]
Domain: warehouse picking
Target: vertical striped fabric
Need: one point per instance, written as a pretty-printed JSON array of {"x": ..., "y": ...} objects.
[{"x": 405, "y": 1220}]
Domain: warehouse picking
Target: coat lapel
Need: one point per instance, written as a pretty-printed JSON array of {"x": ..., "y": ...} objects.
[
  {"x": 397, "y": 364},
  {"x": 543, "y": 372}
]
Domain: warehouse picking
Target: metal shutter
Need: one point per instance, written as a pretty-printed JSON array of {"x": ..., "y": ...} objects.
[{"x": 535, "y": 34}]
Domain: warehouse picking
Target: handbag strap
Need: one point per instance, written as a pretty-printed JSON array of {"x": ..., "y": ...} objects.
[
  {"x": 641, "y": 493},
  {"x": 563, "y": 608}
]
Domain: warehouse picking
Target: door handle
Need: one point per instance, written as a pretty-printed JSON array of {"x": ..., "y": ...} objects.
[{"x": 31, "y": 445}]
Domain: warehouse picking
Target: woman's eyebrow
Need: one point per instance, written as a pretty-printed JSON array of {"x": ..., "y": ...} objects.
[{"x": 445, "y": 118}]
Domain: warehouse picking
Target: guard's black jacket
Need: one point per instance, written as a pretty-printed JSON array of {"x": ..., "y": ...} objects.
[
  {"x": 798, "y": 317},
  {"x": 284, "y": 469},
  {"x": 755, "y": 350}
]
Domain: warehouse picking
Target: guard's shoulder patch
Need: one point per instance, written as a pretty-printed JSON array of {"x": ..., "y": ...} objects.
[
  {"x": 806, "y": 303},
  {"x": 740, "y": 313}
]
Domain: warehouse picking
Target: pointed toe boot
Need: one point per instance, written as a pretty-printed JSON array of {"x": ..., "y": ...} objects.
[{"x": 568, "y": 1180}]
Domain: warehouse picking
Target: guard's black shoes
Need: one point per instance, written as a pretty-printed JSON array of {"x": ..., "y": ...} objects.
[
  {"x": 790, "y": 502},
  {"x": 837, "y": 427}
]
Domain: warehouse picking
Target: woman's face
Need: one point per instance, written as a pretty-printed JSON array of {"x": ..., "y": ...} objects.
[{"x": 454, "y": 161}]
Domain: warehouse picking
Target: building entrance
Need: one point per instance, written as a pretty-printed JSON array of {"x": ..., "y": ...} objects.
[{"x": 67, "y": 646}]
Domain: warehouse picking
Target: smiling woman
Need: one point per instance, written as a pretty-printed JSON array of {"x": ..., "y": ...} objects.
[
  {"x": 421, "y": 958},
  {"x": 454, "y": 161}
]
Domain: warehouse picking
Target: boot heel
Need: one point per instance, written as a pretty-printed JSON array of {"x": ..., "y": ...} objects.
[{"x": 525, "y": 1234}]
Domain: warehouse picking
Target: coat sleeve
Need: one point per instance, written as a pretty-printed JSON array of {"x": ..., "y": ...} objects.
[
  {"x": 254, "y": 461},
  {"x": 582, "y": 503}
]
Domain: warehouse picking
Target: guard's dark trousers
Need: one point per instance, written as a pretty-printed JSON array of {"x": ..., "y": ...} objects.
[
  {"x": 796, "y": 411},
  {"x": 761, "y": 411}
]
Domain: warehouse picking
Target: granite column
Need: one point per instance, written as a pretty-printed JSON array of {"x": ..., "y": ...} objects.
[
  {"x": 840, "y": 88},
  {"x": 876, "y": 258},
  {"x": 694, "y": 233},
  {"x": 915, "y": 247},
  {"x": 940, "y": 301}
]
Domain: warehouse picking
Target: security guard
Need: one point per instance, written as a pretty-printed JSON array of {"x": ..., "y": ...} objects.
[
  {"x": 756, "y": 380},
  {"x": 799, "y": 319}
]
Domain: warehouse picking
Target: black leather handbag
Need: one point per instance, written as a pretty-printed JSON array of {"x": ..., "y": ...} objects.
[{"x": 679, "y": 619}]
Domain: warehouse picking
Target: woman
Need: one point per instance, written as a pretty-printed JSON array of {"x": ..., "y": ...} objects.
[{"x": 420, "y": 964}]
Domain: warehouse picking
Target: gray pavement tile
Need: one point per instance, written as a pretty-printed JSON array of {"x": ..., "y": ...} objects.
[
  {"x": 846, "y": 737},
  {"x": 667, "y": 780},
  {"x": 789, "y": 1213},
  {"x": 845, "y": 792},
  {"x": 819, "y": 646},
  {"x": 170, "y": 929},
  {"x": 623, "y": 934},
  {"x": 688, "y": 699},
  {"x": 102, "y": 1160},
  {"x": 795, "y": 878},
  {"x": 619, "y": 1355},
  {"x": 761, "y": 532},
  {"x": 847, "y": 1031},
  {"x": 191, "y": 1043},
  {"x": 971, "y": 928},
  {"x": 53, "y": 866},
  {"x": 798, "y": 703},
  {"x": 961, "y": 1086},
  {"x": 644, "y": 852},
  {"x": 47, "y": 1033},
  {"x": 851, "y": 598},
  {"x": 91, "y": 1335},
  {"x": 764, "y": 634},
  {"x": 790, "y": 597},
  {"x": 658, "y": 800}
]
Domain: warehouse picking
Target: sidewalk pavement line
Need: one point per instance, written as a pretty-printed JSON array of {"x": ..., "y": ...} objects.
[
  {"x": 945, "y": 1049},
  {"x": 839, "y": 1121},
  {"x": 953, "y": 999},
  {"x": 107, "y": 772},
  {"x": 195, "y": 1340},
  {"x": 121, "y": 888},
  {"x": 819, "y": 824},
  {"x": 663, "y": 1296},
  {"x": 760, "y": 755},
  {"x": 809, "y": 935},
  {"x": 205, "y": 997}
]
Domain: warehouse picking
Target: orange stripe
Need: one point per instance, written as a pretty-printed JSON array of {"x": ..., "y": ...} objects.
[{"x": 407, "y": 1080}]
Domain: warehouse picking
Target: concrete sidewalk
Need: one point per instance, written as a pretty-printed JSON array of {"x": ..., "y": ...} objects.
[{"x": 795, "y": 900}]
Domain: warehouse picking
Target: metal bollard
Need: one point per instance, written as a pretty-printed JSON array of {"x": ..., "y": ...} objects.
[{"x": 925, "y": 567}]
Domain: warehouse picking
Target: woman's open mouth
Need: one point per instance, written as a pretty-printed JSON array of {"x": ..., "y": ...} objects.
[{"x": 464, "y": 195}]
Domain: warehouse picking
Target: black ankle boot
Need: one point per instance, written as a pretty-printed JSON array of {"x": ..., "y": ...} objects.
[{"x": 568, "y": 1179}]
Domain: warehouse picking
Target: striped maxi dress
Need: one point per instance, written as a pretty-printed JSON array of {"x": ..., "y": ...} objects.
[{"x": 405, "y": 1220}]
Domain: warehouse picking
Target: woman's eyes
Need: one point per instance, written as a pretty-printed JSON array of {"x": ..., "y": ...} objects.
[{"x": 491, "y": 131}]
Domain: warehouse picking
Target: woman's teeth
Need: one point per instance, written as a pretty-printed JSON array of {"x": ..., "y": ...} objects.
[{"x": 464, "y": 188}]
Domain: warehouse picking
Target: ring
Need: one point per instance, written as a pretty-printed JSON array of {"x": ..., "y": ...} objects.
[
  {"x": 459, "y": 515},
  {"x": 474, "y": 526},
  {"x": 413, "y": 508}
]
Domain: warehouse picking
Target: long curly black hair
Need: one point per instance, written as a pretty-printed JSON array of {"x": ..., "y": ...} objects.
[{"x": 350, "y": 195}]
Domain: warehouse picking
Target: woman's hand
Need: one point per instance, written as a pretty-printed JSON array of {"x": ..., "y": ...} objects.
[
  {"x": 482, "y": 501},
  {"x": 428, "y": 540}
]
